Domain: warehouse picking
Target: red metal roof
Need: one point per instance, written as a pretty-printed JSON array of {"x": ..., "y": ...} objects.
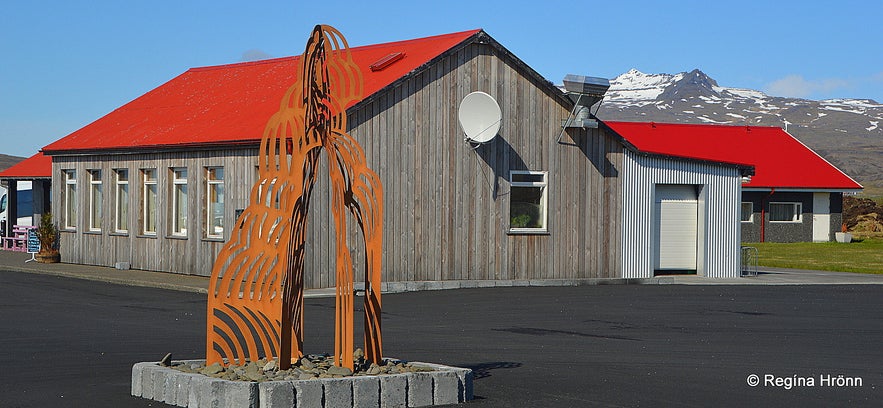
[
  {"x": 779, "y": 160},
  {"x": 230, "y": 104},
  {"x": 36, "y": 166}
]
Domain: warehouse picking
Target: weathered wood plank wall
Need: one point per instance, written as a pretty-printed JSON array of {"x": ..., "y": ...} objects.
[
  {"x": 447, "y": 202},
  {"x": 192, "y": 254}
]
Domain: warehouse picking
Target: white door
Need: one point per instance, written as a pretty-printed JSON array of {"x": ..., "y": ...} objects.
[
  {"x": 821, "y": 217},
  {"x": 676, "y": 227}
]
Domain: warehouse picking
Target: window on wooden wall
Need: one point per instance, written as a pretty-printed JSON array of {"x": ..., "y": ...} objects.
[
  {"x": 121, "y": 200},
  {"x": 786, "y": 212},
  {"x": 95, "y": 199},
  {"x": 214, "y": 212},
  {"x": 179, "y": 201},
  {"x": 527, "y": 201},
  {"x": 747, "y": 211},
  {"x": 148, "y": 201},
  {"x": 70, "y": 199}
]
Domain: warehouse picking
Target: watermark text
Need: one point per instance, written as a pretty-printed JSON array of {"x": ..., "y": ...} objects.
[{"x": 802, "y": 381}]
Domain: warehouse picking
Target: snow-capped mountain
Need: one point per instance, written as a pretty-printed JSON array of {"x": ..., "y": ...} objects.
[{"x": 847, "y": 132}]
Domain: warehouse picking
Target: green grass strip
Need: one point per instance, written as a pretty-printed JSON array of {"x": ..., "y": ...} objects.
[{"x": 864, "y": 256}]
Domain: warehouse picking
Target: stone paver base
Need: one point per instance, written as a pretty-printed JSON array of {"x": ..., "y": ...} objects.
[{"x": 446, "y": 385}]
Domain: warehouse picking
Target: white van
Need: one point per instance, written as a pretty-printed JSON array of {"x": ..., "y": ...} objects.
[{"x": 25, "y": 201}]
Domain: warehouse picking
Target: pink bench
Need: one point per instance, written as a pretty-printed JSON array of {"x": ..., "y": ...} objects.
[{"x": 19, "y": 240}]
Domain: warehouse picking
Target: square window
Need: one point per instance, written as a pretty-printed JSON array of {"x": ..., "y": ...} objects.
[{"x": 527, "y": 201}]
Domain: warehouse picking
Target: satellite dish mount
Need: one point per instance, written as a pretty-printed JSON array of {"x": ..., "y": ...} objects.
[{"x": 480, "y": 117}]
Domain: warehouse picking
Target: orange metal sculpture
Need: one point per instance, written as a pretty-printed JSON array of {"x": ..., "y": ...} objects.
[{"x": 255, "y": 302}]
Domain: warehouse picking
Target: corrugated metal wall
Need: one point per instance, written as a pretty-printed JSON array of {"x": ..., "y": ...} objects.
[{"x": 719, "y": 229}]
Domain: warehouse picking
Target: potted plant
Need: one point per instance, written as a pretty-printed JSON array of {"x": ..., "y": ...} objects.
[
  {"x": 843, "y": 236},
  {"x": 47, "y": 234}
]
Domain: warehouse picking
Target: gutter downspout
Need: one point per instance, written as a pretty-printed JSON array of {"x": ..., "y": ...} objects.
[{"x": 763, "y": 204}]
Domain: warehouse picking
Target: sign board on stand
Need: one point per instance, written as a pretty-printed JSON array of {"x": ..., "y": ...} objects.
[{"x": 33, "y": 244}]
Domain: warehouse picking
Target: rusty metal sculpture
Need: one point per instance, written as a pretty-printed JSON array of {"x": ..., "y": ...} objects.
[{"x": 255, "y": 300}]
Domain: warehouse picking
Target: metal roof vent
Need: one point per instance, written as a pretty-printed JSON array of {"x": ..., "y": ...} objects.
[{"x": 584, "y": 91}]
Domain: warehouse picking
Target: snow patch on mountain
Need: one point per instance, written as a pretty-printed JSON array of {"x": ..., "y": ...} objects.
[{"x": 635, "y": 88}]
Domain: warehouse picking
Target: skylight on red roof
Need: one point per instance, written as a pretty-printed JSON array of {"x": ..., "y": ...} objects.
[{"x": 386, "y": 61}]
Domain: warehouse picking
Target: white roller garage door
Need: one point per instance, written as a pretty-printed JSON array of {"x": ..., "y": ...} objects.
[{"x": 676, "y": 225}]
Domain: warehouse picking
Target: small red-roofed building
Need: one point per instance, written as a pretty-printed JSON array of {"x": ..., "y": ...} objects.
[
  {"x": 26, "y": 192},
  {"x": 795, "y": 195}
]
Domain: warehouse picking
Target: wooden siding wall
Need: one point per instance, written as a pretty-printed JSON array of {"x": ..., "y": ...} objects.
[
  {"x": 193, "y": 254},
  {"x": 446, "y": 203},
  {"x": 719, "y": 254}
]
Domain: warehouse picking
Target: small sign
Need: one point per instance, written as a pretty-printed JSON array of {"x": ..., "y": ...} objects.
[{"x": 33, "y": 242}]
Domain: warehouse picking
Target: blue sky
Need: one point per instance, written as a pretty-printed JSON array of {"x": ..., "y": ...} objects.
[{"x": 64, "y": 64}]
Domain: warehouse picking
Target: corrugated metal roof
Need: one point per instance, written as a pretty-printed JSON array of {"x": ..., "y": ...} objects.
[
  {"x": 779, "y": 160},
  {"x": 230, "y": 104},
  {"x": 36, "y": 166}
]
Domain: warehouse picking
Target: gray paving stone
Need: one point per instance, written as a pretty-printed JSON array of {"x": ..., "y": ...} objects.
[
  {"x": 164, "y": 382},
  {"x": 419, "y": 389},
  {"x": 276, "y": 394},
  {"x": 445, "y": 388},
  {"x": 338, "y": 392},
  {"x": 393, "y": 391},
  {"x": 147, "y": 386},
  {"x": 137, "y": 371},
  {"x": 308, "y": 394},
  {"x": 238, "y": 394},
  {"x": 182, "y": 389},
  {"x": 205, "y": 392},
  {"x": 366, "y": 392}
]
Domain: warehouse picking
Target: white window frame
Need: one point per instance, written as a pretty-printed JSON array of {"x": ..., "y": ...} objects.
[
  {"x": 146, "y": 203},
  {"x": 121, "y": 201},
  {"x": 750, "y": 214},
  {"x": 178, "y": 210},
  {"x": 544, "y": 199},
  {"x": 70, "y": 199},
  {"x": 798, "y": 216},
  {"x": 211, "y": 186},
  {"x": 95, "y": 200}
]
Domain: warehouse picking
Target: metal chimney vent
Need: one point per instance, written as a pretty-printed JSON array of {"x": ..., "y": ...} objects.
[
  {"x": 586, "y": 85},
  {"x": 584, "y": 91}
]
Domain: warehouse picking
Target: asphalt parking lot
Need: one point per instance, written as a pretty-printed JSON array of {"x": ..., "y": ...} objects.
[{"x": 71, "y": 342}]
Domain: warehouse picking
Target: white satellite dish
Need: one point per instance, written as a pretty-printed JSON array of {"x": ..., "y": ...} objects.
[{"x": 480, "y": 117}]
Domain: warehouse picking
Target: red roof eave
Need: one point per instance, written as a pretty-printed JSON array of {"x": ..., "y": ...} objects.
[
  {"x": 38, "y": 166},
  {"x": 779, "y": 159}
]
